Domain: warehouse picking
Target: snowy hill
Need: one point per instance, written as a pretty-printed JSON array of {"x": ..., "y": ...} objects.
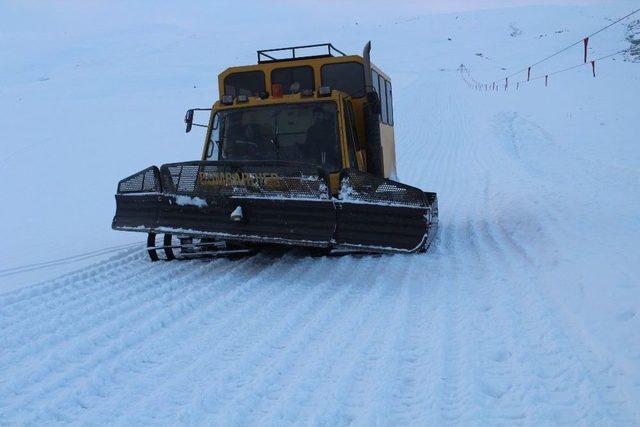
[{"x": 524, "y": 311}]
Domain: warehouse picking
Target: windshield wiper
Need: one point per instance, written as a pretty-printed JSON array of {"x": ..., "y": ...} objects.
[{"x": 275, "y": 141}]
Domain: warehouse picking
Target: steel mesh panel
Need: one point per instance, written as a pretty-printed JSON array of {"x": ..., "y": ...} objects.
[
  {"x": 150, "y": 182},
  {"x": 187, "y": 178},
  {"x": 144, "y": 181},
  {"x": 170, "y": 177},
  {"x": 179, "y": 178},
  {"x": 254, "y": 179},
  {"x": 359, "y": 187}
]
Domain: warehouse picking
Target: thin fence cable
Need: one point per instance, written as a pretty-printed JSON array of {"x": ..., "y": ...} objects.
[
  {"x": 574, "y": 44},
  {"x": 578, "y": 66},
  {"x": 492, "y": 86},
  {"x": 473, "y": 83}
]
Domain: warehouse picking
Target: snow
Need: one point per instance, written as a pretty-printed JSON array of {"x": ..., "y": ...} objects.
[
  {"x": 182, "y": 200},
  {"x": 350, "y": 195},
  {"x": 525, "y": 310}
]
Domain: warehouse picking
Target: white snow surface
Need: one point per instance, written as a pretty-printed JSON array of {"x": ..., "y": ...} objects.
[{"x": 524, "y": 311}]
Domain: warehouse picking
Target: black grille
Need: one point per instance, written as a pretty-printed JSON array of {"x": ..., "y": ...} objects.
[
  {"x": 359, "y": 187},
  {"x": 145, "y": 181},
  {"x": 180, "y": 178},
  {"x": 256, "y": 179}
]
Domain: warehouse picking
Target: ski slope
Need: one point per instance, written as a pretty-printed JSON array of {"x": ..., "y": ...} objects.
[{"x": 524, "y": 311}]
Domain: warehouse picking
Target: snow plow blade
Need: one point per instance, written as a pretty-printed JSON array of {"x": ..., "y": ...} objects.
[{"x": 284, "y": 203}]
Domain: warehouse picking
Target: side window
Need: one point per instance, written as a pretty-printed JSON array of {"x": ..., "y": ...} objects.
[
  {"x": 214, "y": 140},
  {"x": 347, "y": 77},
  {"x": 248, "y": 83},
  {"x": 293, "y": 79},
  {"x": 383, "y": 101},
  {"x": 375, "y": 81},
  {"x": 389, "y": 103}
]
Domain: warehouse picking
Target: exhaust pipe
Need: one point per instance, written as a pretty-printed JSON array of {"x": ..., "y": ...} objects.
[{"x": 372, "y": 119}]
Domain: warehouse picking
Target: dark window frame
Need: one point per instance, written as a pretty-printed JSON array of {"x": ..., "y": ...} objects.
[
  {"x": 384, "y": 90},
  {"x": 264, "y": 82},
  {"x": 383, "y": 101},
  {"x": 353, "y": 96},
  {"x": 334, "y": 115},
  {"x": 214, "y": 125},
  {"x": 309, "y": 67},
  {"x": 389, "y": 93},
  {"x": 375, "y": 81}
]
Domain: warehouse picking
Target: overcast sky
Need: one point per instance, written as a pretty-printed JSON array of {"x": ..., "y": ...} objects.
[
  {"x": 440, "y": 6},
  {"x": 94, "y": 15}
]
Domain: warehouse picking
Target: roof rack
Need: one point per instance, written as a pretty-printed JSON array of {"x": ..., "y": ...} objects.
[{"x": 270, "y": 55}]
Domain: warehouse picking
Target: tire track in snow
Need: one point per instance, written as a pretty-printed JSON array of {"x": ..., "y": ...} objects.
[
  {"x": 48, "y": 333},
  {"x": 539, "y": 200},
  {"x": 448, "y": 315},
  {"x": 506, "y": 240},
  {"x": 551, "y": 215},
  {"x": 546, "y": 166},
  {"x": 363, "y": 368},
  {"x": 478, "y": 279},
  {"x": 66, "y": 260},
  {"x": 512, "y": 249},
  {"x": 298, "y": 376},
  {"x": 84, "y": 319},
  {"x": 416, "y": 381},
  {"x": 173, "y": 318},
  {"x": 91, "y": 349},
  {"x": 213, "y": 324},
  {"x": 102, "y": 283},
  {"x": 227, "y": 348},
  {"x": 496, "y": 380},
  {"x": 269, "y": 362},
  {"x": 455, "y": 391},
  {"x": 394, "y": 360},
  {"x": 450, "y": 321},
  {"x": 540, "y": 375},
  {"x": 58, "y": 285}
]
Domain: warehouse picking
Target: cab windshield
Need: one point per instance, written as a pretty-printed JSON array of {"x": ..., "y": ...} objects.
[{"x": 304, "y": 132}]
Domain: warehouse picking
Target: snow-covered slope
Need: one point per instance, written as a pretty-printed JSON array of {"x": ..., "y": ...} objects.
[{"x": 525, "y": 311}]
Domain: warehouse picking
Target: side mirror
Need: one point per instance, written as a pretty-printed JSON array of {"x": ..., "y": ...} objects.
[{"x": 188, "y": 119}]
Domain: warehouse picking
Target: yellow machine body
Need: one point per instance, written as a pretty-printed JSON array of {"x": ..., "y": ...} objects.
[{"x": 380, "y": 82}]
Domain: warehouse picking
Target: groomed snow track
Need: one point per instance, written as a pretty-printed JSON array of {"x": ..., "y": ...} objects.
[{"x": 463, "y": 334}]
